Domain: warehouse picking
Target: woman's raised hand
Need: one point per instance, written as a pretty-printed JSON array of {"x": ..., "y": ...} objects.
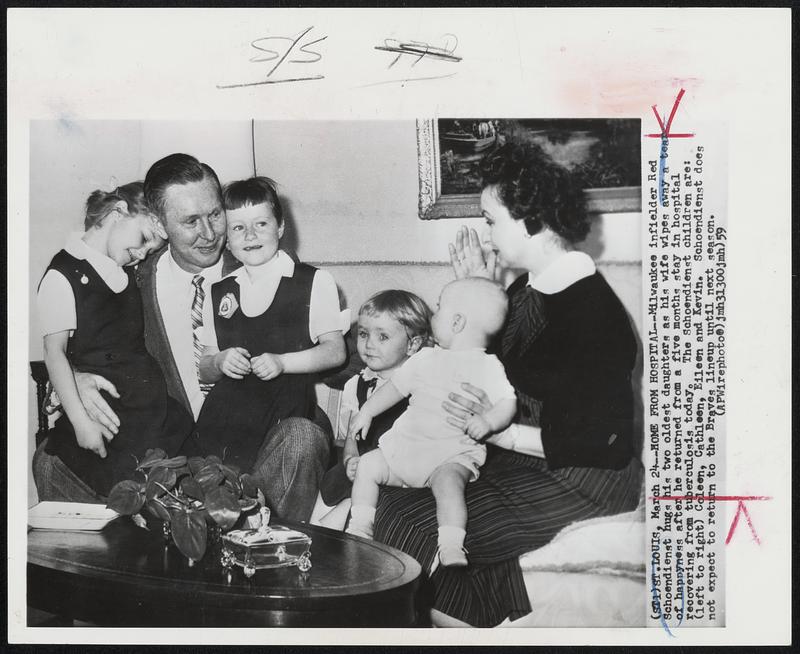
[
  {"x": 468, "y": 257},
  {"x": 462, "y": 408}
]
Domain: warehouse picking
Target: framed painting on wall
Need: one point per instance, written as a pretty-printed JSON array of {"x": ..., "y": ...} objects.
[{"x": 605, "y": 154}]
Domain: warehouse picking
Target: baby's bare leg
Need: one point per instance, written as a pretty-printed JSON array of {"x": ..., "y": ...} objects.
[
  {"x": 372, "y": 472},
  {"x": 448, "y": 484}
]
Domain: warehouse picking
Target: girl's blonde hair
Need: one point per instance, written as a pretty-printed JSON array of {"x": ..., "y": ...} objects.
[
  {"x": 101, "y": 203},
  {"x": 407, "y": 308}
]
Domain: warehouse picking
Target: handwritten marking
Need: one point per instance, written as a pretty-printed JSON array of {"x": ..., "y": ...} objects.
[
  {"x": 403, "y": 80},
  {"x": 741, "y": 508},
  {"x": 270, "y": 81},
  {"x": 654, "y": 592},
  {"x": 271, "y": 55},
  {"x": 419, "y": 50},
  {"x": 665, "y": 135},
  {"x": 718, "y": 498},
  {"x": 665, "y": 129}
]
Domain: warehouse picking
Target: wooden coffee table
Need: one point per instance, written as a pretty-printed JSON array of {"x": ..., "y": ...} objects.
[{"x": 125, "y": 576}]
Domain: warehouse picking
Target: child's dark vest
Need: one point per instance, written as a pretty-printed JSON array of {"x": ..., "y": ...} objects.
[
  {"x": 238, "y": 414},
  {"x": 381, "y": 423},
  {"x": 109, "y": 341}
]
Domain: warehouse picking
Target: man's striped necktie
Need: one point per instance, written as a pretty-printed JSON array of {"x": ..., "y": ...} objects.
[{"x": 197, "y": 322}]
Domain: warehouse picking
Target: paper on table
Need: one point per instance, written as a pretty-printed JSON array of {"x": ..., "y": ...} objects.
[{"x": 70, "y": 516}]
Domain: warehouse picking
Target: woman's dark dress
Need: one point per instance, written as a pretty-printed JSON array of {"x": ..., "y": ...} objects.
[
  {"x": 238, "y": 414},
  {"x": 335, "y": 486},
  {"x": 109, "y": 341},
  {"x": 569, "y": 355}
]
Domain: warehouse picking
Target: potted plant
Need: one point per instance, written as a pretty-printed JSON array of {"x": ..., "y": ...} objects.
[{"x": 190, "y": 495}]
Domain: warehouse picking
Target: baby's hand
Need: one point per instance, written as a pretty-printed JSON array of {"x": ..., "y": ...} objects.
[
  {"x": 233, "y": 362},
  {"x": 477, "y": 427},
  {"x": 89, "y": 435},
  {"x": 351, "y": 466},
  {"x": 266, "y": 366},
  {"x": 360, "y": 426}
]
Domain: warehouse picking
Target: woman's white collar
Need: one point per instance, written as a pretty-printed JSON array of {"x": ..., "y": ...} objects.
[{"x": 562, "y": 273}]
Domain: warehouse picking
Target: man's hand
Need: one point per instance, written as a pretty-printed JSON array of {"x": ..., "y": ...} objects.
[
  {"x": 89, "y": 387},
  {"x": 233, "y": 362},
  {"x": 267, "y": 366},
  {"x": 351, "y": 466},
  {"x": 89, "y": 435}
]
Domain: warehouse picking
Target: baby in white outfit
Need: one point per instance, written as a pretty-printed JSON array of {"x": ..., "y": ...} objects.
[{"x": 427, "y": 446}]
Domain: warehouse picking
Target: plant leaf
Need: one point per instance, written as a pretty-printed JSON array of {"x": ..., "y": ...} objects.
[
  {"x": 174, "y": 462},
  {"x": 232, "y": 480},
  {"x": 158, "y": 510},
  {"x": 139, "y": 521},
  {"x": 159, "y": 475},
  {"x": 196, "y": 463},
  {"x": 182, "y": 472},
  {"x": 189, "y": 533},
  {"x": 209, "y": 477},
  {"x": 247, "y": 503},
  {"x": 191, "y": 488},
  {"x": 151, "y": 457},
  {"x": 213, "y": 458},
  {"x": 127, "y": 497},
  {"x": 222, "y": 506},
  {"x": 249, "y": 487}
]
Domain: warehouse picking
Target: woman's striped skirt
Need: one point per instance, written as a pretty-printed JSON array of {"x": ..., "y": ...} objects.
[{"x": 517, "y": 505}]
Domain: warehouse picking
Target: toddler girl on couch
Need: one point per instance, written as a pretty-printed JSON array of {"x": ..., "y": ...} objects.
[{"x": 392, "y": 325}]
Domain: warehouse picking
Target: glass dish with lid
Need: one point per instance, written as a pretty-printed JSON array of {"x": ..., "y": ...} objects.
[{"x": 265, "y": 546}]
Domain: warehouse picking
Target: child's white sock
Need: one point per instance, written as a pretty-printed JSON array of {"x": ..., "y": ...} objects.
[
  {"x": 362, "y": 521},
  {"x": 451, "y": 546}
]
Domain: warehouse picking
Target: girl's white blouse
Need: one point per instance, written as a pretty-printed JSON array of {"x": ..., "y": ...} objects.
[
  {"x": 55, "y": 299},
  {"x": 257, "y": 292}
]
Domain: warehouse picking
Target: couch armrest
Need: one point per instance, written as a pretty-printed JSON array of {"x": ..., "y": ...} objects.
[{"x": 330, "y": 400}]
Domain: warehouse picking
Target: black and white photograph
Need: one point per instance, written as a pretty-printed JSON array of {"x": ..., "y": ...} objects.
[
  {"x": 414, "y": 327},
  {"x": 239, "y": 459}
]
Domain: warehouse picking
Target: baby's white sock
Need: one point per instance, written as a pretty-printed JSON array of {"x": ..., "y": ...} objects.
[
  {"x": 451, "y": 536},
  {"x": 451, "y": 546},
  {"x": 362, "y": 521}
]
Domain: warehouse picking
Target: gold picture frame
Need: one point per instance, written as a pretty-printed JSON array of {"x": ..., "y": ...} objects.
[{"x": 434, "y": 205}]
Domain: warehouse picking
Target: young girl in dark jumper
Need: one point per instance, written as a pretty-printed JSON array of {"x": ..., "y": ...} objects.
[
  {"x": 91, "y": 315},
  {"x": 269, "y": 326}
]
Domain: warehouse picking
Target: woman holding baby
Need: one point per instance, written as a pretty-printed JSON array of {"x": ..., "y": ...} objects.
[{"x": 568, "y": 349}]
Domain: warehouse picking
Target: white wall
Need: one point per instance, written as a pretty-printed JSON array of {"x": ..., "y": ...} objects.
[
  {"x": 351, "y": 190},
  {"x": 68, "y": 161}
]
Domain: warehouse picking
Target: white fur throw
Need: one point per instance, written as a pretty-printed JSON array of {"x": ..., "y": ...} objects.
[{"x": 608, "y": 545}]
